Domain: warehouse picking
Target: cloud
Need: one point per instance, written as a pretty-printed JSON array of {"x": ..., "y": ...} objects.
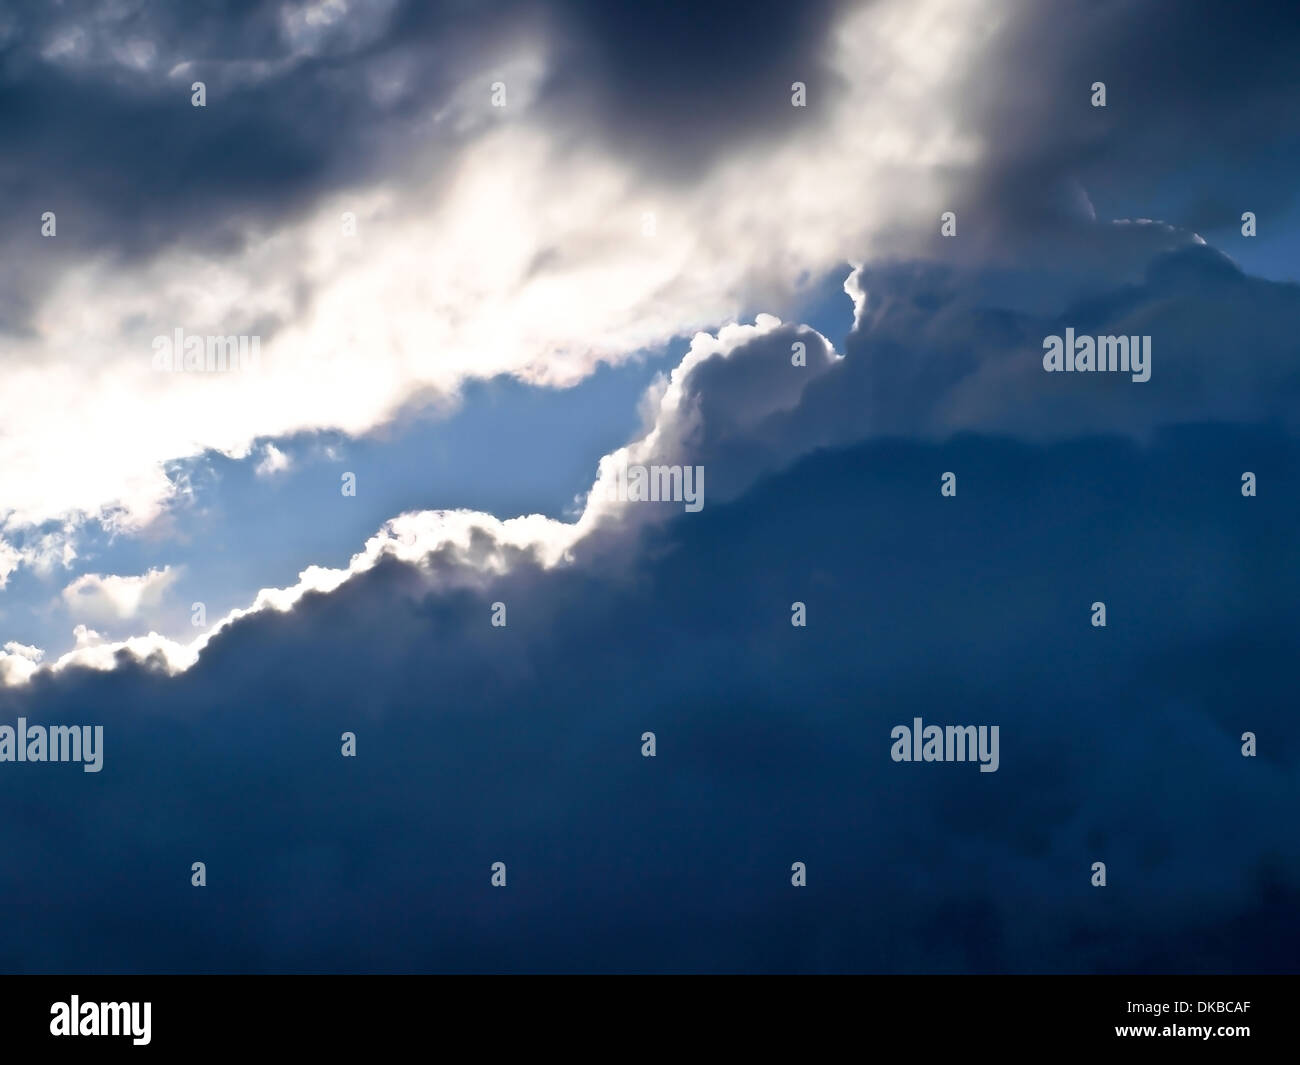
[
  {"x": 97, "y": 596},
  {"x": 632, "y": 617},
  {"x": 925, "y": 359},
  {"x": 522, "y": 743},
  {"x": 709, "y": 413},
  {"x": 273, "y": 461},
  {"x": 41, "y": 549},
  {"x": 932, "y": 357},
  {"x": 511, "y": 240},
  {"x": 18, "y": 662},
  {"x": 9, "y": 562},
  {"x": 498, "y": 241}
]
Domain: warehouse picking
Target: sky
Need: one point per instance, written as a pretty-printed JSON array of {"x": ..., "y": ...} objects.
[{"x": 369, "y": 615}]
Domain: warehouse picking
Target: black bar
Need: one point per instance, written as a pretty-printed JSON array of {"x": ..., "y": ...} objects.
[{"x": 615, "y": 1016}]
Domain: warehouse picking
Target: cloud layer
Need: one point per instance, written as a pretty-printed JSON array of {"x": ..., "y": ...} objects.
[{"x": 608, "y": 208}]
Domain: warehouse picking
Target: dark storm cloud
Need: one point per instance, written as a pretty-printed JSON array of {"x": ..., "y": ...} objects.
[
  {"x": 676, "y": 85},
  {"x": 1223, "y": 347},
  {"x": 522, "y": 744},
  {"x": 1196, "y": 128},
  {"x": 296, "y": 110},
  {"x": 129, "y": 166},
  {"x": 937, "y": 350},
  {"x": 1198, "y": 124}
]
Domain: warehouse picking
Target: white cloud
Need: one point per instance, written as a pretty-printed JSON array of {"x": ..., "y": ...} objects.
[
  {"x": 96, "y": 596},
  {"x": 85, "y": 637},
  {"x": 23, "y": 650},
  {"x": 462, "y": 547},
  {"x": 10, "y": 559},
  {"x": 520, "y": 253},
  {"x": 42, "y": 553},
  {"x": 762, "y": 381},
  {"x": 273, "y": 461},
  {"x": 18, "y": 662}
]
